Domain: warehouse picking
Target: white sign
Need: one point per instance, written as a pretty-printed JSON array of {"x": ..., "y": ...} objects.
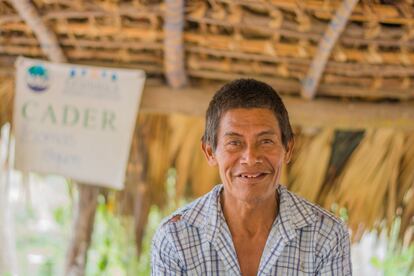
[{"x": 75, "y": 120}]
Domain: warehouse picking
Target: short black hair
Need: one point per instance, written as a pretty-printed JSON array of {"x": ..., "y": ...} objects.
[{"x": 245, "y": 93}]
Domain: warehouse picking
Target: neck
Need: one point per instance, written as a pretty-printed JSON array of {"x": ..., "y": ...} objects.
[{"x": 249, "y": 218}]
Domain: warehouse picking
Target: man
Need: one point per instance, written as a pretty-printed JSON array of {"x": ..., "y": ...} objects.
[{"x": 250, "y": 225}]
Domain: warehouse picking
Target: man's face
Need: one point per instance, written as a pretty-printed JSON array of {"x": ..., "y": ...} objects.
[{"x": 249, "y": 153}]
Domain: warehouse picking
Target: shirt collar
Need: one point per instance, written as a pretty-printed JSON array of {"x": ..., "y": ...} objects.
[
  {"x": 294, "y": 213},
  {"x": 206, "y": 214}
]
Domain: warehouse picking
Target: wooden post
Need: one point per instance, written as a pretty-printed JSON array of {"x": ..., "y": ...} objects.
[
  {"x": 82, "y": 230},
  {"x": 47, "y": 39},
  {"x": 140, "y": 189},
  {"x": 142, "y": 204},
  {"x": 173, "y": 43},
  {"x": 326, "y": 44},
  {"x": 135, "y": 198}
]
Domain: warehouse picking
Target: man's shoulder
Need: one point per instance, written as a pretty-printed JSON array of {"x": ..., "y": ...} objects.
[
  {"x": 193, "y": 214},
  {"x": 327, "y": 233},
  {"x": 322, "y": 218}
]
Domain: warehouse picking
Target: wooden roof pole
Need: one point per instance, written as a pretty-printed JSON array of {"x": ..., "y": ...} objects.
[
  {"x": 174, "y": 60},
  {"x": 47, "y": 39},
  {"x": 88, "y": 195},
  {"x": 335, "y": 28}
]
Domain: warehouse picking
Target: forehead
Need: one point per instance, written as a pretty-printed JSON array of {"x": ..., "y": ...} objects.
[{"x": 249, "y": 120}]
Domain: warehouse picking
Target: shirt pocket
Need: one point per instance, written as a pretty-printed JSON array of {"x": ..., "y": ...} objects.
[
  {"x": 305, "y": 269},
  {"x": 306, "y": 263}
]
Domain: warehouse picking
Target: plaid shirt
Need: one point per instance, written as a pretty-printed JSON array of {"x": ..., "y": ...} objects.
[{"x": 304, "y": 240}]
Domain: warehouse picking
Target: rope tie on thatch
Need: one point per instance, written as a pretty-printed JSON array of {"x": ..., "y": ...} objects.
[
  {"x": 173, "y": 43},
  {"x": 329, "y": 39},
  {"x": 47, "y": 39}
]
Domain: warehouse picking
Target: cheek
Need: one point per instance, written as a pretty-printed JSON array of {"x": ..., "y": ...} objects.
[
  {"x": 226, "y": 165},
  {"x": 280, "y": 162},
  {"x": 276, "y": 157}
]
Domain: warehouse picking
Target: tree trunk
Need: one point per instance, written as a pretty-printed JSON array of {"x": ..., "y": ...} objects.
[
  {"x": 141, "y": 211},
  {"x": 82, "y": 230}
]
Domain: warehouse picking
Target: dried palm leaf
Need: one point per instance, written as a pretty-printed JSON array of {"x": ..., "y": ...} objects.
[
  {"x": 368, "y": 182},
  {"x": 156, "y": 134},
  {"x": 308, "y": 170},
  {"x": 406, "y": 186},
  {"x": 6, "y": 100},
  {"x": 186, "y": 142}
]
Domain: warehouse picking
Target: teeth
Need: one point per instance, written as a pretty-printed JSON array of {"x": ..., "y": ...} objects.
[{"x": 250, "y": 176}]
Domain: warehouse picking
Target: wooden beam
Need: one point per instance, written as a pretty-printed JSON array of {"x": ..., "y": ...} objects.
[
  {"x": 174, "y": 60},
  {"x": 335, "y": 28},
  {"x": 47, "y": 39},
  {"x": 317, "y": 113}
]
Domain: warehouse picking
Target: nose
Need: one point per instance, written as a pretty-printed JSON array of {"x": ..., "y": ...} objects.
[{"x": 251, "y": 156}]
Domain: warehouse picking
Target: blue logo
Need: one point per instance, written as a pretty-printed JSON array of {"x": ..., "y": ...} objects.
[{"x": 37, "y": 78}]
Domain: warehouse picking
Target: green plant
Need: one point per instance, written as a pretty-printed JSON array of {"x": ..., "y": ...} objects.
[
  {"x": 342, "y": 212},
  {"x": 399, "y": 259},
  {"x": 112, "y": 250}
]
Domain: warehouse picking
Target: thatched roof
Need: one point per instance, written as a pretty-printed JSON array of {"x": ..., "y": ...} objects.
[
  {"x": 289, "y": 44},
  {"x": 272, "y": 40}
]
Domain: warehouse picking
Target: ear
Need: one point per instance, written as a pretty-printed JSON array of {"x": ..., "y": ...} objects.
[
  {"x": 209, "y": 154},
  {"x": 289, "y": 150}
]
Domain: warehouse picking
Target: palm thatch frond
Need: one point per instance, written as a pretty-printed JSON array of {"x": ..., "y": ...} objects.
[
  {"x": 367, "y": 185},
  {"x": 156, "y": 133},
  {"x": 6, "y": 99},
  {"x": 307, "y": 172},
  {"x": 405, "y": 190},
  {"x": 194, "y": 176}
]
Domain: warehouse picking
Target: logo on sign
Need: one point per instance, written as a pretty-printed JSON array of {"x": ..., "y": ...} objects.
[
  {"x": 37, "y": 78},
  {"x": 100, "y": 84}
]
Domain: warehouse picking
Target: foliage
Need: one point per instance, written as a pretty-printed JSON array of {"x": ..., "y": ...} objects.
[
  {"x": 113, "y": 248},
  {"x": 342, "y": 212},
  {"x": 399, "y": 259},
  {"x": 41, "y": 250}
]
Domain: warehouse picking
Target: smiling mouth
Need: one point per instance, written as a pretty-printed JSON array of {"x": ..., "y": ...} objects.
[{"x": 255, "y": 176}]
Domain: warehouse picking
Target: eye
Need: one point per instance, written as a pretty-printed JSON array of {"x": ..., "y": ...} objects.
[
  {"x": 267, "y": 141},
  {"x": 234, "y": 143}
]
